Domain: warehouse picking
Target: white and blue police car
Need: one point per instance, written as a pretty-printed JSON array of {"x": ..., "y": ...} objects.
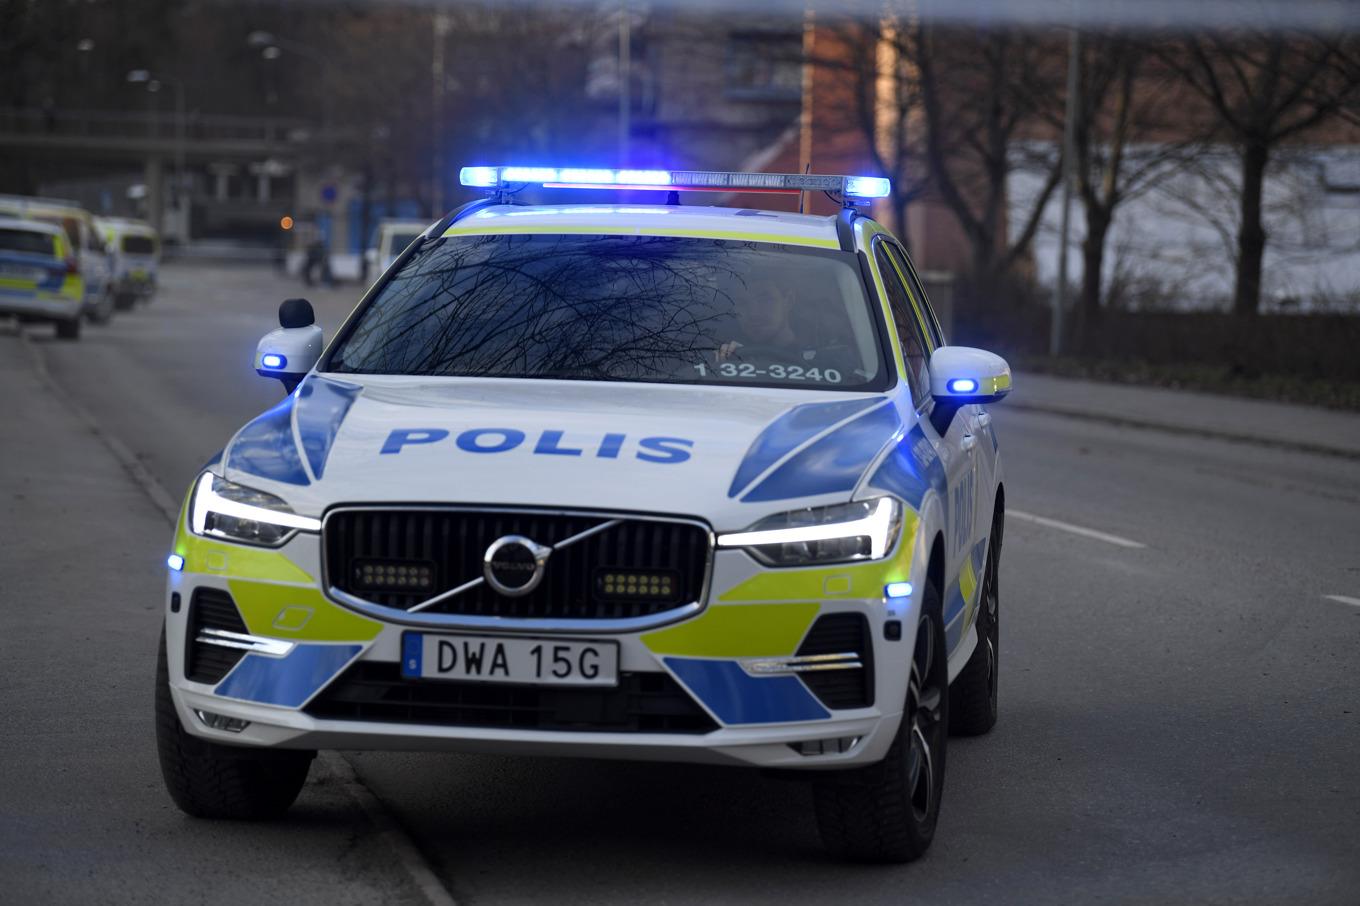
[{"x": 632, "y": 481}]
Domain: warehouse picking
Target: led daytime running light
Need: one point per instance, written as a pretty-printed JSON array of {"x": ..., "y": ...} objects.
[
  {"x": 877, "y": 526},
  {"x": 206, "y": 501}
]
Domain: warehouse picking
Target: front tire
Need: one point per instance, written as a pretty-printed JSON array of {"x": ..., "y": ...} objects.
[
  {"x": 887, "y": 812},
  {"x": 973, "y": 695},
  {"x": 208, "y": 780}
]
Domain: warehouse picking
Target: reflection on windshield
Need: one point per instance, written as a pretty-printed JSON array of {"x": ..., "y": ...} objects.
[{"x": 621, "y": 308}]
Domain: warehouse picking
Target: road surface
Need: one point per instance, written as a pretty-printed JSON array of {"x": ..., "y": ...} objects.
[{"x": 1180, "y": 714}]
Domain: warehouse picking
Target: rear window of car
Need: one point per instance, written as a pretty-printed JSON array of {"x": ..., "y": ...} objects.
[
  {"x": 397, "y": 242},
  {"x": 139, "y": 245},
  {"x": 30, "y": 241},
  {"x": 655, "y": 309}
]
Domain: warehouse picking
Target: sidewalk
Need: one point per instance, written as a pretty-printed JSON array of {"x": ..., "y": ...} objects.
[{"x": 1307, "y": 428}]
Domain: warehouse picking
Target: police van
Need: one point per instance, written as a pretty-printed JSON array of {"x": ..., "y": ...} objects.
[{"x": 639, "y": 481}]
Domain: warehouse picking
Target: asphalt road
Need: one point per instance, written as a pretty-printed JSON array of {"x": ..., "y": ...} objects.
[{"x": 1180, "y": 716}]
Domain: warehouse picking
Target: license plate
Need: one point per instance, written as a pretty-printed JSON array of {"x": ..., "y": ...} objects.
[{"x": 502, "y": 659}]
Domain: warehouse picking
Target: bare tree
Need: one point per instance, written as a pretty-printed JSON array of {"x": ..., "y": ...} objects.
[
  {"x": 869, "y": 68},
  {"x": 1123, "y": 147},
  {"x": 1265, "y": 89},
  {"x": 983, "y": 97}
]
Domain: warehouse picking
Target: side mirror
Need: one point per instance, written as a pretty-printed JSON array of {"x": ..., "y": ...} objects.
[
  {"x": 293, "y": 350},
  {"x": 960, "y": 375}
]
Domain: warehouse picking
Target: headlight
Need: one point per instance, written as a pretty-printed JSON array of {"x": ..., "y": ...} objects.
[
  {"x": 224, "y": 509},
  {"x": 863, "y": 530}
]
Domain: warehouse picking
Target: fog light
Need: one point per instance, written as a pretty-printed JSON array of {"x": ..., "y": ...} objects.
[
  {"x": 221, "y": 721},
  {"x": 655, "y": 584},
  {"x": 394, "y": 575}
]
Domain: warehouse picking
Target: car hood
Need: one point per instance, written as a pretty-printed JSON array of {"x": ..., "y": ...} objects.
[{"x": 727, "y": 455}]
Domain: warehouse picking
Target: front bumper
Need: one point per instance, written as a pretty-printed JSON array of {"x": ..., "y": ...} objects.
[
  {"x": 751, "y": 614},
  {"x": 135, "y": 284}
]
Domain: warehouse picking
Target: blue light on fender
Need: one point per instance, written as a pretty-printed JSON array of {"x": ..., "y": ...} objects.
[
  {"x": 897, "y": 589},
  {"x": 273, "y": 361},
  {"x": 963, "y": 385},
  {"x": 175, "y": 562}
]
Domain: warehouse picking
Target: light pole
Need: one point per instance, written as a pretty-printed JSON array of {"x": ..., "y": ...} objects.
[
  {"x": 625, "y": 83},
  {"x": 1069, "y": 163},
  {"x": 153, "y": 85},
  {"x": 271, "y": 46}
]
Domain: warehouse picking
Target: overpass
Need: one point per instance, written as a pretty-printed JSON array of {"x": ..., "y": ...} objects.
[{"x": 237, "y": 166}]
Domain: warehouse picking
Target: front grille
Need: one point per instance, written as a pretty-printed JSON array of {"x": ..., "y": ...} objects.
[
  {"x": 839, "y": 633},
  {"x": 641, "y": 703},
  {"x": 211, "y": 609},
  {"x": 367, "y": 545}
]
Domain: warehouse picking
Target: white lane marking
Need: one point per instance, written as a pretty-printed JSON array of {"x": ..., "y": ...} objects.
[
  {"x": 384, "y": 823},
  {"x": 1074, "y": 529},
  {"x": 1342, "y": 599}
]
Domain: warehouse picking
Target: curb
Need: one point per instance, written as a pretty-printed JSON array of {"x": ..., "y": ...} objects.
[{"x": 1120, "y": 421}]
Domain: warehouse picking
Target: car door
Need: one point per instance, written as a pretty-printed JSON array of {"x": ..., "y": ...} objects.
[
  {"x": 954, "y": 444},
  {"x": 979, "y": 419}
]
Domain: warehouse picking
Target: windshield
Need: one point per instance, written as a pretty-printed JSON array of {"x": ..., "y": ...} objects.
[
  {"x": 622, "y": 308},
  {"x": 139, "y": 245}
]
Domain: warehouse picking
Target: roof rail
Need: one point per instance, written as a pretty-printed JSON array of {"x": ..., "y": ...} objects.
[{"x": 845, "y": 228}]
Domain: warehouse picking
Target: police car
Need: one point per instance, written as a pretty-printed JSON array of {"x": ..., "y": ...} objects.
[
  {"x": 635, "y": 481},
  {"x": 39, "y": 279}
]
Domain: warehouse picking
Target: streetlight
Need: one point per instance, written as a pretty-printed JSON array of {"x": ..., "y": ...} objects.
[
  {"x": 271, "y": 47},
  {"x": 153, "y": 85}
]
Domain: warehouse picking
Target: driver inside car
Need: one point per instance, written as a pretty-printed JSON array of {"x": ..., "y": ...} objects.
[
  {"x": 763, "y": 321},
  {"x": 776, "y": 326}
]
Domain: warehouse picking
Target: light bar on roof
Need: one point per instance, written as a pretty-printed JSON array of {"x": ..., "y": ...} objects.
[{"x": 673, "y": 180}]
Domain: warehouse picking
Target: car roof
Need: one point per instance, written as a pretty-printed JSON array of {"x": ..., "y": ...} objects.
[
  {"x": 124, "y": 223},
  {"x": 654, "y": 220},
  {"x": 48, "y": 206},
  {"x": 33, "y": 226}
]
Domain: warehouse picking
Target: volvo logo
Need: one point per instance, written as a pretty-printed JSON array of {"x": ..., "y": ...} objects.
[{"x": 513, "y": 565}]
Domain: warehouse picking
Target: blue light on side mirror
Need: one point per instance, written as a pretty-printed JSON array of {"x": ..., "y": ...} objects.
[
  {"x": 274, "y": 361},
  {"x": 963, "y": 385}
]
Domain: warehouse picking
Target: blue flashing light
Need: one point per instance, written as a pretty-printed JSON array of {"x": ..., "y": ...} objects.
[
  {"x": 483, "y": 177},
  {"x": 645, "y": 177},
  {"x": 577, "y": 174},
  {"x": 689, "y": 180},
  {"x": 175, "y": 562},
  {"x": 897, "y": 589},
  {"x": 867, "y": 187},
  {"x": 273, "y": 361},
  {"x": 963, "y": 385},
  {"x": 529, "y": 174}
]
